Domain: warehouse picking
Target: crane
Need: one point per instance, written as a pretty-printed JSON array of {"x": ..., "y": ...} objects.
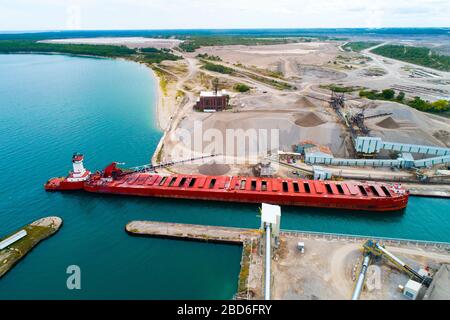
[
  {"x": 359, "y": 118},
  {"x": 374, "y": 249},
  {"x": 378, "y": 250}
]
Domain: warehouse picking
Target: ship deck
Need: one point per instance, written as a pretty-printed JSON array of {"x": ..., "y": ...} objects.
[{"x": 256, "y": 184}]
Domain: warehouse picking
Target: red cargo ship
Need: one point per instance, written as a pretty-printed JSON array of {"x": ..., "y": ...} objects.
[{"x": 352, "y": 195}]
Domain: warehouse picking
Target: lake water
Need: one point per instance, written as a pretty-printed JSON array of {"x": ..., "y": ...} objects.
[{"x": 54, "y": 105}]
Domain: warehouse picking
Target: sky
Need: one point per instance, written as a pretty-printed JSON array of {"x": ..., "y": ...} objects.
[{"x": 21, "y": 15}]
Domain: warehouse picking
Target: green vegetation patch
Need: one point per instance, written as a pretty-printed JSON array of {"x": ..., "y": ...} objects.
[
  {"x": 340, "y": 89},
  {"x": 153, "y": 55},
  {"x": 20, "y": 248},
  {"x": 358, "y": 46},
  {"x": 26, "y": 46},
  {"x": 417, "y": 55},
  {"x": 209, "y": 57},
  {"x": 245, "y": 268},
  {"x": 217, "y": 68},
  {"x": 241, "y": 87},
  {"x": 191, "y": 44},
  {"x": 146, "y": 55},
  {"x": 439, "y": 106}
]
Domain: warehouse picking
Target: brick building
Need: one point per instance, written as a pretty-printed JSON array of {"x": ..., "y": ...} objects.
[{"x": 211, "y": 101}]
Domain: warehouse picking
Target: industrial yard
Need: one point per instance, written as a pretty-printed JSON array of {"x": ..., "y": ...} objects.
[
  {"x": 291, "y": 91},
  {"x": 329, "y": 267},
  {"x": 305, "y": 112},
  {"x": 316, "y": 266}
]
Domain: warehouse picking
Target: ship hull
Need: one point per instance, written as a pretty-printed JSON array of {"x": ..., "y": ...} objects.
[
  {"x": 61, "y": 184},
  {"x": 142, "y": 185}
]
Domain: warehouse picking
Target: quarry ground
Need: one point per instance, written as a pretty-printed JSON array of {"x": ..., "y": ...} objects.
[
  {"x": 300, "y": 113},
  {"x": 297, "y": 112}
]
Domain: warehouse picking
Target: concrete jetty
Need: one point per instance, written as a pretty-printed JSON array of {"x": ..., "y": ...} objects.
[
  {"x": 192, "y": 232},
  {"x": 31, "y": 235},
  {"x": 251, "y": 274}
]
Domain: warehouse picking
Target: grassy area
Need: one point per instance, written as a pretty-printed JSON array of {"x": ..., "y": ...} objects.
[
  {"x": 245, "y": 268},
  {"x": 159, "y": 155},
  {"x": 417, "y": 55},
  {"x": 340, "y": 89},
  {"x": 264, "y": 72},
  {"x": 241, "y": 87},
  {"x": 153, "y": 55},
  {"x": 27, "y": 46},
  {"x": 358, "y": 46},
  {"x": 217, "y": 68},
  {"x": 439, "y": 106},
  {"x": 147, "y": 55},
  {"x": 271, "y": 82},
  {"x": 163, "y": 77},
  {"x": 13, "y": 253},
  {"x": 209, "y": 57},
  {"x": 193, "y": 43}
]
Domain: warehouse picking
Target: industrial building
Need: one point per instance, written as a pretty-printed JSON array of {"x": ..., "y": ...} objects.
[
  {"x": 321, "y": 173},
  {"x": 370, "y": 146},
  {"x": 440, "y": 286},
  {"x": 212, "y": 101},
  {"x": 373, "y": 145}
]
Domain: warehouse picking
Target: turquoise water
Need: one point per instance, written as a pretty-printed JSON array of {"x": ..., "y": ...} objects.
[{"x": 52, "y": 106}]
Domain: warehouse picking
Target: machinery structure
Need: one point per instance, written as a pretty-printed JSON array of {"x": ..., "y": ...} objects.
[
  {"x": 270, "y": 225},
  {"x": 359, "y": 118},
  {"x": 378, "y": 250},
  {"x": 373, "y": 250}
]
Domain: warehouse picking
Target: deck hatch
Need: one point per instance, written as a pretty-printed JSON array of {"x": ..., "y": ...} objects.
[
  {"x": 264, "y": 185},
  {"x": 162, "y": 181},
  {"x": 151, "y": 180},
  {"x": 307, "y": 188},
  {"x": 172, "y": 181},
  {"x": 386, "y": 191},
  {"x": 275, "y": 185},
  {"x": 319, "y": 187},
  {"x": 182, "y": 182},
  {"x": 201, "y": 182},
  {"x": 192, "y": 182},
  {"x": 374, "y": 191},
  {"x": 363, "y": 190},
  {"x": 353, "y": 189}
]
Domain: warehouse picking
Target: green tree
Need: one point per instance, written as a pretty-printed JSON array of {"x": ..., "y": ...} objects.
[
  {"x": 401, "y": 96},
  {"x": 388, "y": 94},
  {"x": 440, "y": 105},
  {"x": 240, "y": 87}
]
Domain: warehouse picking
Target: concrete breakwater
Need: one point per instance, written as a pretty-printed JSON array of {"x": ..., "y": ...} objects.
[
  {"x": 31, "y": 235},
  {"x": 250, "y": 276}
]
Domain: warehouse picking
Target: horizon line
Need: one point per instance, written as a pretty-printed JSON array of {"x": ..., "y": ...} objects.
[{"x": 217, "y": 29}]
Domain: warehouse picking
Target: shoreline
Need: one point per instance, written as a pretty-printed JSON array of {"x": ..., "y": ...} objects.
[{"x": 159, "y": 96}]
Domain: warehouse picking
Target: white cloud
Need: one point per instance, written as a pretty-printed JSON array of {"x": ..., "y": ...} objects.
[{"x": 171, "y": 14}]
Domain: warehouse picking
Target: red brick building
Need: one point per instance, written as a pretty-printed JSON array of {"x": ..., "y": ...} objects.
[{"x": 210, "y": 101}]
